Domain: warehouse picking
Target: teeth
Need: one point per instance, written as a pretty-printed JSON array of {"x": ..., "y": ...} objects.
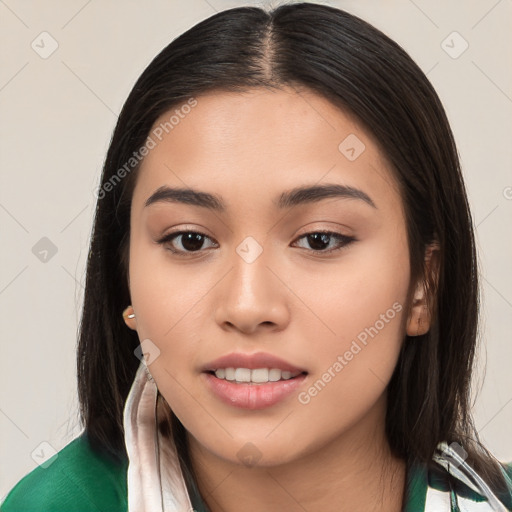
[
  {"x": 274, "y": 375},
  {"x": 256, "y": 376},
  {"x": 243, "y": 375},
  {"x": 259, "y": 375}
]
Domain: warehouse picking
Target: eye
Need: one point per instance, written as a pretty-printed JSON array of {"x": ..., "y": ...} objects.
[
  {"x": 183, "y": 243},
  {"x": 188, "y": 242},
  {"x": 319, "y": 241}
]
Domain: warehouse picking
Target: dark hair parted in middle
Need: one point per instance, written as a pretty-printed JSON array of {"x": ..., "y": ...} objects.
[{"x": 369, "y": 76}]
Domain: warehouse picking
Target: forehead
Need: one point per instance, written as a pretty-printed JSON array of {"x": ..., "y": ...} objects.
[{"x": 245, "y": 144}]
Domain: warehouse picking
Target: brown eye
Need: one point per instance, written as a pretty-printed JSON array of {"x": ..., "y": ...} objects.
[
  {"x": 183, "y": 242},
  {"x": 320, "y": 241}
]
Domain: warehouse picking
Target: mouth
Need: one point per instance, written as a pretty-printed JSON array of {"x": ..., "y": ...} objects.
[
  {"x": 253, "y": 388},
  {"x": 252, "y": 381},
  {"x": 256, "y": 376}
]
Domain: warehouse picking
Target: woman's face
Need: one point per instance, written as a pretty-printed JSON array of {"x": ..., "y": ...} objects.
[{"x": 261, "y": 278}]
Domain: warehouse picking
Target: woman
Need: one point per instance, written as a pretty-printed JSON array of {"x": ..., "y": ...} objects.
[{"x": 281, "y": 299}]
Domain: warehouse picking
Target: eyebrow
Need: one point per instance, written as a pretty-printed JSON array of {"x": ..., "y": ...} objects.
[{"x": 288, "y": 199}]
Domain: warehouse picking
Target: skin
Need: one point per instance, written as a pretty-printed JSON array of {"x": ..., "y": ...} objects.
[{"x": 303, "y": 306}]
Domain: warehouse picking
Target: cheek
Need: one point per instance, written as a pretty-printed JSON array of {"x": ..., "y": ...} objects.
[
  {"x": 365, "y": 292},
  {"x": 162, "y": 293},
  {"x": 363, "y": 306},
  {"x": 173, "y": 312}
]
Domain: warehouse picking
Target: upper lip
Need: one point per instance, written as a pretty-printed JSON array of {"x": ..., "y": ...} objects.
[{"x": 251, "y": 361}]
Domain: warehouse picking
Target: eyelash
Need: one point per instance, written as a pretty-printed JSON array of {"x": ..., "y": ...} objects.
[{"x": 344, "y": 241}]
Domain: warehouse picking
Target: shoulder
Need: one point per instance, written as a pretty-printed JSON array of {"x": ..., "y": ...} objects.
[{"x": 75, "y": 479}]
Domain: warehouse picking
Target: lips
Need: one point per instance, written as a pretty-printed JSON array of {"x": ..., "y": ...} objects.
[
  {"x": 251, "y": 361},
  {"x": 252, "y": 396},
  {"x": 237, "y": 379}
]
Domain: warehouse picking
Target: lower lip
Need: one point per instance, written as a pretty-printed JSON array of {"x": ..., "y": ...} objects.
[{"x": 253, "y": 396}]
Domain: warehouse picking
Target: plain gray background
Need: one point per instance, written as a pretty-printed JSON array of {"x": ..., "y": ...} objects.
[{"x": 57, "y": 112}]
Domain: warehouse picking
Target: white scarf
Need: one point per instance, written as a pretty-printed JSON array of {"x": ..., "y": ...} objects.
[
  {"x": 155, "y": 479},
  {"x": 156, "y": 482}
]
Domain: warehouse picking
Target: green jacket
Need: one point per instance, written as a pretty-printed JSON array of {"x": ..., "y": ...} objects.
[{"x": 77, "y": 479}]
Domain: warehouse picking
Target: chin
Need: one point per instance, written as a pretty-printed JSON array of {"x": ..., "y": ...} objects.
[{"x": 256, "y": 452}]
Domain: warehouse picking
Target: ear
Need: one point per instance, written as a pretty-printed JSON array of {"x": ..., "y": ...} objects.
[
  {"x": 129, "y": 318},
  {"x": 420, "y": 314}
]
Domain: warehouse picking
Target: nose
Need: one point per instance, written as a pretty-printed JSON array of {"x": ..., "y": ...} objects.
[{"x": 252, "y": 297}]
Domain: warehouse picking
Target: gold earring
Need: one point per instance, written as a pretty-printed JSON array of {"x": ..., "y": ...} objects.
[{"x": 128, "y": 312}]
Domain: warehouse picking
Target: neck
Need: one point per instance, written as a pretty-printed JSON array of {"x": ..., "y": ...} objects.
[{"x": 355, "y": 471}]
